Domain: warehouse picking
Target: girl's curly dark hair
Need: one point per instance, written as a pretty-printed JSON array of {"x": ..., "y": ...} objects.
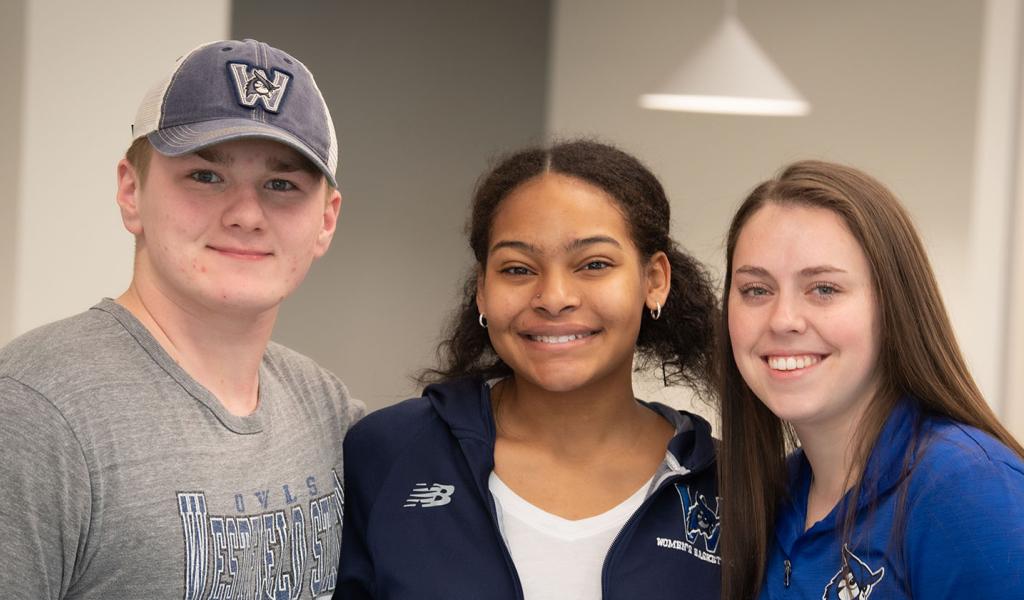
[{"x": 681, "y": 342}]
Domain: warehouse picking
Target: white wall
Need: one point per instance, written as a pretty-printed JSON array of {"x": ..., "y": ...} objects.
[
  {"x": 87, "y": 65},
  {"x": 984, "y": 329},
  {"x": 893, "y": 85},
  {"x": 1014, "y": 375},
  {"x": 12, "y": 48}
]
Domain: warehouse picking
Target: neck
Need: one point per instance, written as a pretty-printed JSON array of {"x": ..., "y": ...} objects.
[
  {"x": 221, "y": 352},
  {"x": 831, "y": 452},
  {"x": 830, "y": 455},
  {"x": 574, "y": 422}
]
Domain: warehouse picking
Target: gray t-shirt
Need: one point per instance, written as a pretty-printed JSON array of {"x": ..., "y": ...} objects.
[{"x": 122, "y": 477}]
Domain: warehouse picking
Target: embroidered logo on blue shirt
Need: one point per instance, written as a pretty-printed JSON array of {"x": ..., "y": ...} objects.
[
  {"x": 437, "y": 494},
  {"x": 855, "y": 579}
]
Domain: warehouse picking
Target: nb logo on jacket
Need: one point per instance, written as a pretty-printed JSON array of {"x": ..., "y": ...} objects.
[{"x": 429, "y": 496}]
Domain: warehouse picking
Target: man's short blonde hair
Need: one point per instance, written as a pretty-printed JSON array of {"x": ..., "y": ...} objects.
[{"x": 138, "y": 155}]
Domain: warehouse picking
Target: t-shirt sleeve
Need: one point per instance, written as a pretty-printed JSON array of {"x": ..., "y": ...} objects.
[
  {"x": 45, "y": 496},
  {"x": 965, "y": 533},
  {"x": 356, "y": 410}
]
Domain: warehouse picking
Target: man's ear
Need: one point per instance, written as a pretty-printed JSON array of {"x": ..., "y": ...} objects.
[
  {"x": 129, "y": 187},
  {"x": 330, "y": 223}
]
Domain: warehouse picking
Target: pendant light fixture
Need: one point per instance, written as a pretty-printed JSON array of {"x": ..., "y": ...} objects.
[{"x": 729, "y": 74}]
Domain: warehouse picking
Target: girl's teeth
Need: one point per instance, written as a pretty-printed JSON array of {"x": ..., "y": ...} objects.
[
  {"x": 791, "y": 363},
  {"x": 558, "y": 339}
]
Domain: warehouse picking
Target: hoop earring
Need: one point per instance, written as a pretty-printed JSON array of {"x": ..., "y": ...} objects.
[
  {"x": 656, "y": 312},
  {"x": 482, "y": 320}
]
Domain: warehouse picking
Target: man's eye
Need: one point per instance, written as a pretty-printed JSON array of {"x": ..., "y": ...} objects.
[
  {"x": 596, "y": 265},
  {"x": 280, "y": 185},
  {"x": 205, "y": 177}
]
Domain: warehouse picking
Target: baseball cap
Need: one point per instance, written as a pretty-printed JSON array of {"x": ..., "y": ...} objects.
[{"x": 229, "y": 90}]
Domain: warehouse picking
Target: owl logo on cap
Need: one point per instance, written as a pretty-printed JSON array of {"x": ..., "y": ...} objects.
[{"x": 253, "y": 85}]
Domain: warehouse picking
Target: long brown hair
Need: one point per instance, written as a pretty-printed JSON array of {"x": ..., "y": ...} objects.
[{"x": 918, "y": 355}]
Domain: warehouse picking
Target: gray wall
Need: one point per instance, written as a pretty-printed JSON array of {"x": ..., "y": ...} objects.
[
  {"x": 423, "y": 95},
  {"x": 893, "y": 86},
  {"x": 12, "y": 48}
]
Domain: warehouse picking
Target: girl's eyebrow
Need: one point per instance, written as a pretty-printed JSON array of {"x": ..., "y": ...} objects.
[
  {"x": 515, "y": 245},
  {"x": 812, "y": 271},
  {"x": 570, "y": 247},
  {"x": 806, "y": 272},
  {"x": 752, "y": 270},
  {"x": 590, "y": 241}
]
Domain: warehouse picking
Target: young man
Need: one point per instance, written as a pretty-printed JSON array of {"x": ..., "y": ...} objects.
[{"x": 159, "y": 445}]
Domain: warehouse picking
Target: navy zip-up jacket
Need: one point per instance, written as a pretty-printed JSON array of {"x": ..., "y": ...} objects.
[{"x": 420, "y": 522}]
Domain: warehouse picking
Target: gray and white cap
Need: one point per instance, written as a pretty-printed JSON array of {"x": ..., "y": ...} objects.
[{"x": 230, "y": 90}]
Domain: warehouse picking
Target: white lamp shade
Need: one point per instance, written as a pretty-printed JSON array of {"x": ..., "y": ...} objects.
[{"x": 729, "y": 74}]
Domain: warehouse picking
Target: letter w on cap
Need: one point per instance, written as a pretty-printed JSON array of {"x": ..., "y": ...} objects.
[{"x": 254, "y": 86}]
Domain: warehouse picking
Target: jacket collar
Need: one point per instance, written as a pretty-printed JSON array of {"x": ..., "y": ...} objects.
[{"x": 465, "y": 406}]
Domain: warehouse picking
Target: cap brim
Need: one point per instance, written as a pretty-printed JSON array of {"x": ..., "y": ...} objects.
[{"x": 183, "y": 139}]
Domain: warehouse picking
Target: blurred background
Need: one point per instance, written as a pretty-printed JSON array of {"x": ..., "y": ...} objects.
[{"x": 923, "y": 94}]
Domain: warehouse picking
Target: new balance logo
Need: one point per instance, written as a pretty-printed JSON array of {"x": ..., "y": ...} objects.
[{"x": 428, "y": 496}]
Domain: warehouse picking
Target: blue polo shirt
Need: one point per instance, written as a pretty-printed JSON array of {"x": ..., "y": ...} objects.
[{"x": 945, "y": 520}]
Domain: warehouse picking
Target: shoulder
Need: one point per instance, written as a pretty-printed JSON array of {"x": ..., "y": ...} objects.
[
  {"x": 954, "y": 448},
  {"x": 66, "y": 341},
  {"x": 285, "y": 361},
  {"x": 27, "y": 413},
  {"x": 430, "y": 429},
  {"x": 965, "y": 513},
  {"x": 61, "y": 359},
  {"x": 385, "y": 430},
  {"x": 681, "y": 420},
  {"x": 963, "y": 475},
  {"x": 403, "y": 436},
  {"x": 302, "y": 376},
  {"x": 693, "y": 444}
]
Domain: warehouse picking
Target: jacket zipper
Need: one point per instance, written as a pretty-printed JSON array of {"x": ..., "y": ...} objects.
[
  {"x": 671, "y": 479},
  {"x": 787, "y": 570},
  {"x": 504, "y": 547}
]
